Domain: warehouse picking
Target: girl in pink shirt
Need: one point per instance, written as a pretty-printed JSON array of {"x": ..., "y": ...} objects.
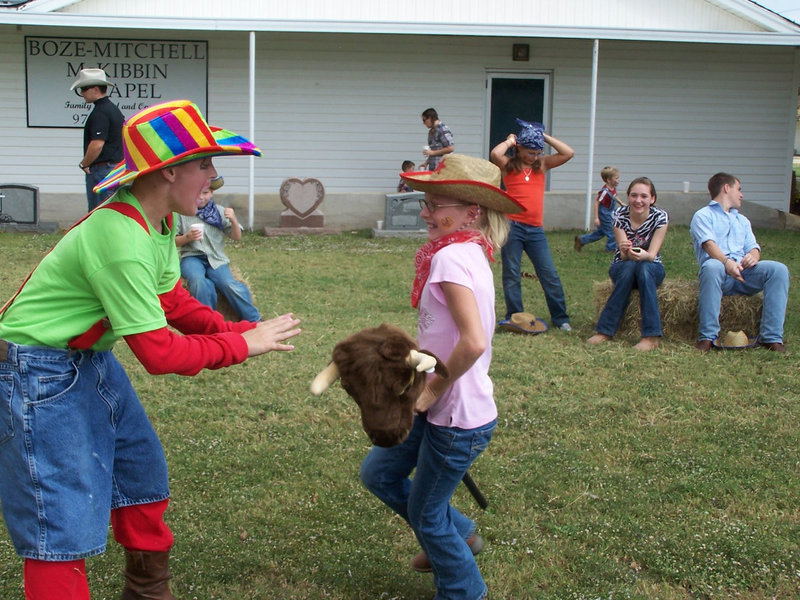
[{"x": 454, "y": 291}]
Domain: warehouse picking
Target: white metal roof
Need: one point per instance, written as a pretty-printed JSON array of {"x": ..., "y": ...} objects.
[{"x": 702, "y": 21}]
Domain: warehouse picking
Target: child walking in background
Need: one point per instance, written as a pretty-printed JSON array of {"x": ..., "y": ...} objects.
[
  {"x": 454, "y": 291},
  {"x": 402, "y": 186},
  {"x": 639, "y": 228},
  {"x": 603, "y": 208},
  {"x": 204, "y": 264},
  {"x": 524, "y": 178}
]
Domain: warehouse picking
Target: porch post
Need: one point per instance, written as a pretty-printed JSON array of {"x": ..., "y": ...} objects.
[
  {"x": 252, "y": 130},
  {"x": 592, "y": 114}
]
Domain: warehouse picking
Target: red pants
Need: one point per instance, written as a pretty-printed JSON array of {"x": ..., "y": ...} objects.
[{"x": 139, "y": 527}]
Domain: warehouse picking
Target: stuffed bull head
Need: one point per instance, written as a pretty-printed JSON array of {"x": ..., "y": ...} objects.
[{"x": 383, "y": 370}]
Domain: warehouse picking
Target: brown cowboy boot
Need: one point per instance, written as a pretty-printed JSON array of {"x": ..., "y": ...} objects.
[
  {"x": 146, "y": 576},
  {"x": 421, "y": 563}
]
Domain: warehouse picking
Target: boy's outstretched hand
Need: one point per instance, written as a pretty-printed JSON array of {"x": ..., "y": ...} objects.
[{"x": 270, "y": 335}]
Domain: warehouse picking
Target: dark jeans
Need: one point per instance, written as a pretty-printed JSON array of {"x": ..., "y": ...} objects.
[{"x": 96, "y": 174}]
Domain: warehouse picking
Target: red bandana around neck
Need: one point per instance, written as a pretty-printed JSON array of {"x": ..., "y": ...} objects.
[{"x": 422, "y": 260}]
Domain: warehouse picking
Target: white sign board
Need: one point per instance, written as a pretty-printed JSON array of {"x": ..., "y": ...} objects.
[{"x": 145, "y": 72}]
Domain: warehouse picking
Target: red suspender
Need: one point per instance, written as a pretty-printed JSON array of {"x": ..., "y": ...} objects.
[{"x": 90, "y": 337}]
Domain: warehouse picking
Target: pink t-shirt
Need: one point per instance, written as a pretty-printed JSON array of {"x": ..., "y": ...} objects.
[{"x": 468, "y": 403}]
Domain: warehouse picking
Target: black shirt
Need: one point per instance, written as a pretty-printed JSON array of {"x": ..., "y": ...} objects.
[{"x": 105, "y": 123}]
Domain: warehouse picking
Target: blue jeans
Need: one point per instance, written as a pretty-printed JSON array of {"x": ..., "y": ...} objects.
[
  {"x": 96, "y": 174},
  {"x": 627, "y": 275},
  {"x": 75, "y": 443},
  {"x": 533, "y": 241},
  {"x": 604, "y": 230},
  {"x": 203, "y": 282},
  {"x": 767, "y": 275},
  {"x": 441, "y": 456}
]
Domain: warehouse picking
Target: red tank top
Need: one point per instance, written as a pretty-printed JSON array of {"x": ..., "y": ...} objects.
[{"x": 529, "y": 194}]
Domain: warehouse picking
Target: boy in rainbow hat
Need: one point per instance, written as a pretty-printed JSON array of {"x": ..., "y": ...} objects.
[{"x": 76, "y": 447}]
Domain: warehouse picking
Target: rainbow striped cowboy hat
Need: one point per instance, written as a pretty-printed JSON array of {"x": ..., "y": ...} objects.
[{"x": 170, "y": 134}]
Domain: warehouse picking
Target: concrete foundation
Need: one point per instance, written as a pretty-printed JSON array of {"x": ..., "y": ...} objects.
[{"x": 563, "y": 210}]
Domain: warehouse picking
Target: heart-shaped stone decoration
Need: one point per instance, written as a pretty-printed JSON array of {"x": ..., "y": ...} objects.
[{"x": 302, "y": 197}]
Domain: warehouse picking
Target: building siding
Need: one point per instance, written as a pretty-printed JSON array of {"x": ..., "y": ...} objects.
[{"x": 345, "y": 109}]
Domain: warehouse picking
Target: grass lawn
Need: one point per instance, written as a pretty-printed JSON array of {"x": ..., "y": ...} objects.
[{"x": 612, "y": 474}]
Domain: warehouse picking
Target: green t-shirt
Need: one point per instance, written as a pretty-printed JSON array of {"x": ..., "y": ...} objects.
[{"x": 108, "y": 266}]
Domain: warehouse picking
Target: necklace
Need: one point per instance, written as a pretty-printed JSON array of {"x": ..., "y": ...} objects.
[{"x": 527, "y": 173}]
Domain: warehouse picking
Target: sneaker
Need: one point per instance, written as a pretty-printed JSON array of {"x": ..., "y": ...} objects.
[
  {"x": 578, "y": 244},
  {"x": 421, "y": 564},
  {"x": 565, "y": 327}
]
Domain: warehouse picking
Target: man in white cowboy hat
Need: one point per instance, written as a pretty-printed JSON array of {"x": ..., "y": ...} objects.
[{"x": 102, "y": 134}]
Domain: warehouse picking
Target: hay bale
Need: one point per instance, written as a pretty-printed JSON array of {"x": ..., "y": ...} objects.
[
  {"x": 223, "y": 306},
  {"x": 677, "y": 301}
]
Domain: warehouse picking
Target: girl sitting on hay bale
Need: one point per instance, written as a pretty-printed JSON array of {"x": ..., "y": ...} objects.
[{"x": 639, "y": 229}]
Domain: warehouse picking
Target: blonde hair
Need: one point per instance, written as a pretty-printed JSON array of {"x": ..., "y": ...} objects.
[
  {"x": 607, "y": 173},
  {"x": 494, "y": 226}
]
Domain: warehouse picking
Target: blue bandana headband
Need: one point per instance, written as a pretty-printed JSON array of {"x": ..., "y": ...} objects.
[{"x": 531, "y": 135}]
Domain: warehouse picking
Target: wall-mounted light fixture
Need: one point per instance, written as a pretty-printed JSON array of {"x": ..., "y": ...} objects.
[{"x": 521, "y": 52}]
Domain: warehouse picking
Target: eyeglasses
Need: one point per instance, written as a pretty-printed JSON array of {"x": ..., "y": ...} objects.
[
  {"x": 433, "y": 207},
  {"x": 88, "y": 87}
]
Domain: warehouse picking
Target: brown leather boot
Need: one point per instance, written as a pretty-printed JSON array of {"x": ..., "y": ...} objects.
[
  {"x": 421, "y": 564},
  {"x": 146, "y": 576}
]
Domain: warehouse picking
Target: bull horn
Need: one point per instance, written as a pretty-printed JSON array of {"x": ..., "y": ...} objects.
[
  {"x": 325, "y": 378},
  {"x": 420, "y": 361}
]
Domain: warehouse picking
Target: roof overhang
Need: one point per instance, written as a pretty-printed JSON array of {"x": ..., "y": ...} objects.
[{"x": 397, "y": 28}]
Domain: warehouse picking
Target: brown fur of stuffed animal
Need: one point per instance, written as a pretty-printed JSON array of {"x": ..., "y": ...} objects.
[{"x": 383, "y": 370}]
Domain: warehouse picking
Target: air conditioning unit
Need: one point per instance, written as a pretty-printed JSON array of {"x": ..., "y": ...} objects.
[{"x": 402, "y": 212}]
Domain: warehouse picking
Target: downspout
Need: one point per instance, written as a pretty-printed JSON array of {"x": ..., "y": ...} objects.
[
  {"x": 592, "y": 115},
  {"x": 252, "y": 130}
]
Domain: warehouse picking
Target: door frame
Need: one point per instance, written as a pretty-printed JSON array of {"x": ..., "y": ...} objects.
[{"x": 491, "y": 74}]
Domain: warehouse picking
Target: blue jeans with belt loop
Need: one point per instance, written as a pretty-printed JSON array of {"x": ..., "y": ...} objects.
[
  {"x": 643, "y": 275},
  {"x": 441, "y": 456},
  {"x": 75, "y": 442}
]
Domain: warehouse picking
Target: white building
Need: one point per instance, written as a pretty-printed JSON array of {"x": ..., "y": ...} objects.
[{"x": 334, "y": 90}]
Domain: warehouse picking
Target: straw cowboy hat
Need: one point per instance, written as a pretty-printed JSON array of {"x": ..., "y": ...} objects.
[
  {"x": 90, "y": 77},
  {"x": 523, "y": 322},
  {"x": 166, "y": 135},
  {"x": 217, "y": 183},
  {"x": 733, "y": 340},
  {"x": 465, "y": 178}
]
